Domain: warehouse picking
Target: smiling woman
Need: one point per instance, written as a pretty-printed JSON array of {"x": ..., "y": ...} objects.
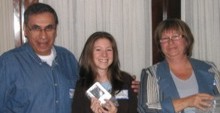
[
  {"x": 99, "y": 62},
  {"x": 102, "y": 54},
  {"x": 179, "y": 83}
]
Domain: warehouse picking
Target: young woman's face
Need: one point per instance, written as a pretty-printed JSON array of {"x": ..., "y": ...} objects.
[{"x": 102, "y": 54}]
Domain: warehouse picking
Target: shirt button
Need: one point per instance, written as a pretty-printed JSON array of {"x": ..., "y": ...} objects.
[
  {"x": 57, "y": 101},
  {"x": 55, "y": 84}
]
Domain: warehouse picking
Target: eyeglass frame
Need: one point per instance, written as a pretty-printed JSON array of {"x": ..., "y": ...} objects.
[
  {"x": 176, "y": 37},
  {"x": 37, "y": 29}
]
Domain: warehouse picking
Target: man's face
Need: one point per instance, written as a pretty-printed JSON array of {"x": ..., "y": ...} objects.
[{"x": 41, "y": 32}]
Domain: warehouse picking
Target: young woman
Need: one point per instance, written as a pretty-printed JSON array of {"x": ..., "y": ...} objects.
[{"x": 99, "y": 62}]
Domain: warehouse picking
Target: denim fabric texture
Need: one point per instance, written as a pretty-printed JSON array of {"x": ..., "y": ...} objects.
[{"x": 28, "y": 85}]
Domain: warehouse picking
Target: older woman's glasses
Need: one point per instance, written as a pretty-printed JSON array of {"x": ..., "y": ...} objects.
[
  {"x": 173, "y": 38},
  {"x": 37, "y": 29}
]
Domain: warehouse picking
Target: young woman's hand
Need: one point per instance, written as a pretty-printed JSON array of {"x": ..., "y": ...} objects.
[
  {"x": 96, "y": 105},
  {"x": 108, "y": 107}
]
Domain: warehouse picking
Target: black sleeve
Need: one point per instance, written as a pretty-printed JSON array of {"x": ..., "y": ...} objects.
[
  {"x": 130, "y": 105},
  {"x": 81, "y": 103}
]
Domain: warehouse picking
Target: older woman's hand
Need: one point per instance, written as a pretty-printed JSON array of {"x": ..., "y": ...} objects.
[{"x": 200, "y": 101}]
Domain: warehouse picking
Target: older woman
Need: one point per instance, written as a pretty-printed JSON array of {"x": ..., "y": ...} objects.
[{"x": 178, "y": 83}]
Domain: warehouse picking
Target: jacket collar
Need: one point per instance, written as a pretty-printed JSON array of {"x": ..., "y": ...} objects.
[
  {"x": 32, "y": 53},
  {"x": 203, "y": 75},
  {"x": 165, "y": 80}
]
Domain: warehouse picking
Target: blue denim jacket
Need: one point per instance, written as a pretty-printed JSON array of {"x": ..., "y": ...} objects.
[{"x": 28, "y": 85}]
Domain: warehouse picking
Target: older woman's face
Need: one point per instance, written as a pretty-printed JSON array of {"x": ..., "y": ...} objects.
[{"x": 173, "y": 44}]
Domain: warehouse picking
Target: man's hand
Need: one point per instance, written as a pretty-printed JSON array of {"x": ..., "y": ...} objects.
[{"x": 135, "y": 84}]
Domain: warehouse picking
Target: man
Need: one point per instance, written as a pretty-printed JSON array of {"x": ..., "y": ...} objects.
[{"x": 38, "y": 77}]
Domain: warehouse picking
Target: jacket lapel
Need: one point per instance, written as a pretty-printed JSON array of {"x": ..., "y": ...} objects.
[
  {"x": 204, "y": 77},
  {"x": 165, "y": 81}
]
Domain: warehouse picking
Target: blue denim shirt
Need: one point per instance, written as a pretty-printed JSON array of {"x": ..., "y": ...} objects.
[{"x": 28, "y": 85}]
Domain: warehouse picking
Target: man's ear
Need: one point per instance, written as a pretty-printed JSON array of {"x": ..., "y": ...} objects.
[
  {"x": 25, "y": 30},
  {"x": 55, "y": 32}
]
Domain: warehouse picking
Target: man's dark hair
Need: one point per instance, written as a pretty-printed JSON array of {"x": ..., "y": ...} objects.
[{"x": 38, "y": 8}]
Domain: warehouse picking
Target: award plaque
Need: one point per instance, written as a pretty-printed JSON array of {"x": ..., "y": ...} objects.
[{"x": 98, "y": 91}]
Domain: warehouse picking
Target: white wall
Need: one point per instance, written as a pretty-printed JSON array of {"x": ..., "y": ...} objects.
[
  {"x": 6, "y": 23},
  {"x": 203, "y": 17},
  {"x": 127, "y": 20}
]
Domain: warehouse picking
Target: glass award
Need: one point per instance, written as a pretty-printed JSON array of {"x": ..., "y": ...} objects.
[
  {"x": 215, "y": 106},
  {"x": 98, "y": 91}
]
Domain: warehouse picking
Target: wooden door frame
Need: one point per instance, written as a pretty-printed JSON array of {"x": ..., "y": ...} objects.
[
  {"x": 19, "y": 8},
  {"x": 161, "y": 10}
]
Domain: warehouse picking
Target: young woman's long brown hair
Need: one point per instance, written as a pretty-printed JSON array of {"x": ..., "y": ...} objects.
[{"x": 88, "y": 69}]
